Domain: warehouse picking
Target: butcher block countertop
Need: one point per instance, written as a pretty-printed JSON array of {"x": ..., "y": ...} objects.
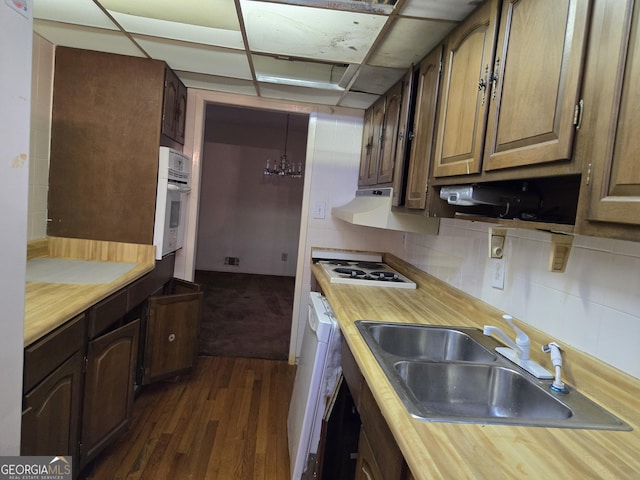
[
  {"x": 65, "y": 276},
  {"x": 436, "y": 450}
]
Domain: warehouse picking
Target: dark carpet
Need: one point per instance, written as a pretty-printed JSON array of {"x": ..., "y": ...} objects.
[{"x": 245, "y": 315}]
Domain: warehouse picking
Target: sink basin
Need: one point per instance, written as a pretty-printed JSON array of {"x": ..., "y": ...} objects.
[
  {"x": 478, "y": 391},
  {"x": 451, "y": 374},
  {"x": 437, "y": 344}
]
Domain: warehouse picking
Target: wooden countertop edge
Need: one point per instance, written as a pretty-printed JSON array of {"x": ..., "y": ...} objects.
[
  {"x": 465, "y": 450},
  {"x": 49, "y": 305}
]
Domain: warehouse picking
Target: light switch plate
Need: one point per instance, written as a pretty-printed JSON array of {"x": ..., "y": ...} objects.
[
  {"x": 318, "y": 210},
  {"x": 497, "y": 273}
]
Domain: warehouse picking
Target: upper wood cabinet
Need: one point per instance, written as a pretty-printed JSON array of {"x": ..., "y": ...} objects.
[
  {"x": 372, "y": 145},
  {"x": 607, "y": 141},
  {"x": 464, "y": 100},
  {"x": 512, "y": 102},
  {"x": 380, "y": 137},
  {"x": 174, "y": 107},
  {"x": 105, "y": 139},
  {"x": 421, "y": 152}
]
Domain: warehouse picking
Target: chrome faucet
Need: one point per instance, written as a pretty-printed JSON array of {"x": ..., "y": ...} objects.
[{"x": 518, "y": 351}]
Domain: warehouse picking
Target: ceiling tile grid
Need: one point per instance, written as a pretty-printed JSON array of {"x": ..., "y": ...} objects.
[{"x": 331, "y": 52}]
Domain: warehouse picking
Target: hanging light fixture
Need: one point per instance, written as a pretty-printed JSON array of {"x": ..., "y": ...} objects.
[{"x": 283, "y": 168}]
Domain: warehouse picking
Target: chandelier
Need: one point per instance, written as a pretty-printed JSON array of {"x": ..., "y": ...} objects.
[{"x": 283, "y": 168}]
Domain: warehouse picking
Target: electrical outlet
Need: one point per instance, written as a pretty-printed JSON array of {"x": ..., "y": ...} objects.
[
  {"x": 284, "y": 257},
  {"x": 497, "y": 273}
]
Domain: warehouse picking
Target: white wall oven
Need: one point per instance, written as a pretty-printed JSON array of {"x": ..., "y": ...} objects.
[{"x": 174, "y": 186}]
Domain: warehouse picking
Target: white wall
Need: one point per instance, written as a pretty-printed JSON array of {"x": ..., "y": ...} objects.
[
  {"x": 41, "y": 97},
  {"x": 15, "y": 99},
  {"x": 242, "y": 213}
]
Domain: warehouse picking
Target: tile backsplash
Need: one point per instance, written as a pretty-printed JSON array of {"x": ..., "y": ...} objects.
[{"x": 593, "y": 306}]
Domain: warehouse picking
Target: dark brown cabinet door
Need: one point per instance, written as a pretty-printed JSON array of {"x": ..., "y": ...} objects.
[
  {"x": 109, "y": 388},
  {"x": 172, "y": 332},
  {"x": 181, "y": 113},
  {"x": 174, "y": 107},
  {"x": 51, "y": 412}
]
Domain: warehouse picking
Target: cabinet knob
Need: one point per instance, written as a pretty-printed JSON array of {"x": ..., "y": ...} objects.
[{"x": 172, "y": 337}]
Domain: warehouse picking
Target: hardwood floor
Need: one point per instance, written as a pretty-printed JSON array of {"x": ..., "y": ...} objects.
[{"x": 227, "y": 421}]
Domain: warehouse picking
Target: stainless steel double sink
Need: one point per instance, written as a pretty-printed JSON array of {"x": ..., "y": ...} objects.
[{"x": 453, "y": 374}]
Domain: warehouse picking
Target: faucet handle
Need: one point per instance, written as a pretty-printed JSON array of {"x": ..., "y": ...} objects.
[{"x": 521, "y": 337}]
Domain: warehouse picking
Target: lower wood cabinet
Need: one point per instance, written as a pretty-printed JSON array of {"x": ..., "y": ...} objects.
[
  {"x": 51, "y": 412},
  {"x": 367, "y": 466},
  {"x": 109, "y": 388},
  {"x": 80, "y": 380},
  {"x": 52, "y": 392},
  {"x": 171, "y": 339},
  {"x": 379, "y": 457}
]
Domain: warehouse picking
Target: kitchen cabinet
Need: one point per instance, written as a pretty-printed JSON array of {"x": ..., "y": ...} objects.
[
  {"x": 421, "y": 153},
  {"x": 53, "y": 380},
  {"x": 511, "y": 102},
  {"x": 380, "y": 139},
  {"x": 109, "y": 388},
  {"x": 174, "y": 107},
  {"x": 607, "y": 141},
  {"x": 171, "y": 340},
  {"x": 379, "y": 457},
  {"x": 372, "y": 143},
  {"x": 105, "y": 138}
]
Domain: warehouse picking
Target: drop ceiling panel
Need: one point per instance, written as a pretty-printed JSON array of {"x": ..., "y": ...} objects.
[
  {"x": 207, "y": 13},
  {"x": 377, "y": 80},
  {"x": 408, "y": 41},
  {"x": 322, "y": 34},
  {"x": 180, "y": 31},
  {"x": 197, "y": 58},
  {"x": 299, "y": 73},
  {"x": 72, "y": 11},
  {"x": 358, "y": 100},
  {"x": 68, "y": 35},
  {"x": 443, "y": 9},
  {"x": 220, "y": 84},
  {"x": 299, "y": 94}
]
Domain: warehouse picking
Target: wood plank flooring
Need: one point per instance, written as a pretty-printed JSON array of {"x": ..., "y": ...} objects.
[{"x": 227, "y": 421}]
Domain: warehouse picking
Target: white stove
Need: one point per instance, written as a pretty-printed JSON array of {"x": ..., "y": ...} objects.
[{"x": 360, "y": 269}]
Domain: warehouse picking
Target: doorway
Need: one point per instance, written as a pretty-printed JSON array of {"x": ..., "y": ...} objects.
[{"x": 248, "y": 230}]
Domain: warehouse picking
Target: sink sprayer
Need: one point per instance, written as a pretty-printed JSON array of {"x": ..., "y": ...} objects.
[{"x": 556, "y": 359}]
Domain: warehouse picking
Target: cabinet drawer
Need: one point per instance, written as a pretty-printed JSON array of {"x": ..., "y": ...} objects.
[
  {"x": 44, "y": 356},
  {"x": 103, "y": 314},
  {"x": 142, "y": 288}
]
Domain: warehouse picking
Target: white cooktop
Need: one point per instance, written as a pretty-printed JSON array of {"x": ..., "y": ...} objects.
[{"x": 360, "y": 269}]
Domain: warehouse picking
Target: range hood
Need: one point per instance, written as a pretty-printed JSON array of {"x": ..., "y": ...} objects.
[{"x": 372, "y": 208}]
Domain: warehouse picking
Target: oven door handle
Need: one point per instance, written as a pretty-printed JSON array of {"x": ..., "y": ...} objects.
[{"x": 172, "y": 187}]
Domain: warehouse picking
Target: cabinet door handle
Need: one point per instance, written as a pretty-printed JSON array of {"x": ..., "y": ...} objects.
[
  {"x": 367, "y": 471},
  {"x": 482, "y": 84},
  {"x": 494, "y": 78}
]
